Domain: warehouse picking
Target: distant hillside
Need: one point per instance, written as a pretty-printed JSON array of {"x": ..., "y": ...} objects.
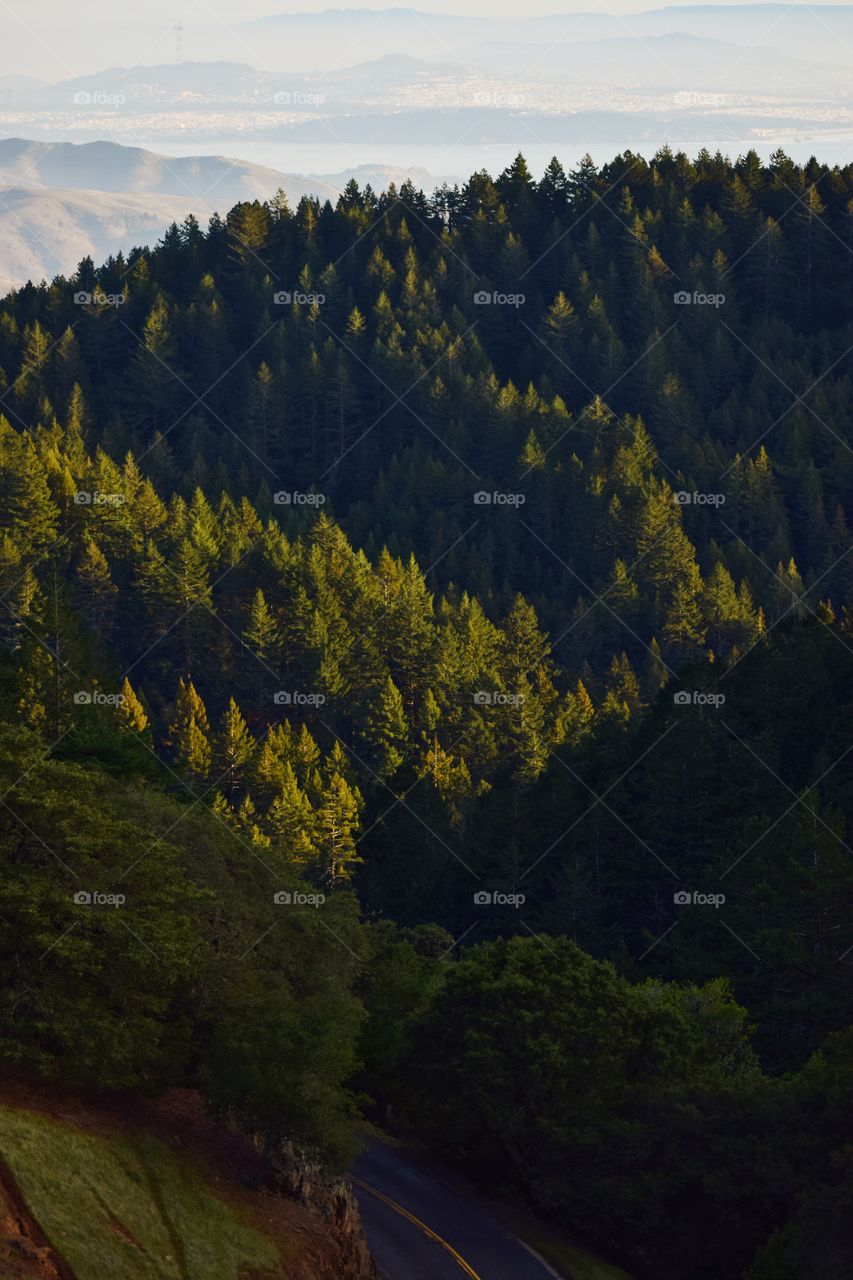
[
  {"x": 213, "y": 181},
  {"x": 61, "y": 203},
  {"x": 47, "y": 233}
]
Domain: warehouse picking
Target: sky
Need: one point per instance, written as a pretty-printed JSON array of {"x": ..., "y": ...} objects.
[{"x": 58, "y": 39}]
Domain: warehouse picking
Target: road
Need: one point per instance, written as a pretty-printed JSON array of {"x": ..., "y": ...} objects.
[{"x": 421, "y": 1227}]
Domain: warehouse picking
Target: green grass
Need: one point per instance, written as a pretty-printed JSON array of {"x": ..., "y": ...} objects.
[{"x": 128, "y": 1207}]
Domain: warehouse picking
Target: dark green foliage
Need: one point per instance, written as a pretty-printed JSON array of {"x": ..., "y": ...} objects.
[
  {"x": 389, "y": 589},
  {"x": 142, "y": 947}
]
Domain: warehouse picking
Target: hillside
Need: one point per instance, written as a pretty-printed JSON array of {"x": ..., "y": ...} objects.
[
  {"x": 426, "y": 673},
  {"x": 63, "y": 202},
  {"x": 93, "y": 1187},
  {"x": 210, "y": 181},
  {"x": 46, "y": 233}
]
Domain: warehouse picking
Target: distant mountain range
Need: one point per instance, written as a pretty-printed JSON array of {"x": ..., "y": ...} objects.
[
  {"x": 46, "y": 233},
  {"x": 212, "y": 182},
  {"x": 816, "y": 32},
  {"x": 61, "y": 202},
  {"x": 307, "y": 43}
]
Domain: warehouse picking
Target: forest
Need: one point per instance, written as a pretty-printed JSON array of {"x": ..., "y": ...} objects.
[{"x": 426, "y": 649}]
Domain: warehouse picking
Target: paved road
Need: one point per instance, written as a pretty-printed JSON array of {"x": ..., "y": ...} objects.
[{"x": 421, "y": 1227}]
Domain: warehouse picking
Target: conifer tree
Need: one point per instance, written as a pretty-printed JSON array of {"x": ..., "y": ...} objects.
[
  {"x": 235, "y": 747},
  {"x": 386, "y": 729},
  {"x": 189, "y": 733},
  {"x": 292, "y": 821},
  {"x": 130, "y": 713},
  {"x": 337, "y": 823},
  {"x": 96, "y": 589}
]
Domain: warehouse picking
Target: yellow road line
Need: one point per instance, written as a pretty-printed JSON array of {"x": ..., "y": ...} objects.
[{"x": 398, "y": 1208}]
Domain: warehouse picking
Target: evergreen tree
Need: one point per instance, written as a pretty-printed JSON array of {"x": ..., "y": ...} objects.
[
  {"x": 189, "y": 733},
  {"x": 336, "y": 823},
  {"x": 386, "y": 729},
  {"x": 235, "y": 747}
]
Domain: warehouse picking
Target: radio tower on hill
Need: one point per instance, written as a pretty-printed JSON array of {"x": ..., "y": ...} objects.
[{"x": 179, "y": 41}]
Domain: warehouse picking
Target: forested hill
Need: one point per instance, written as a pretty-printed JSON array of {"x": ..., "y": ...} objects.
[
  {"x": 488, "y": 555},
  {"x": 586, "y": 388}
]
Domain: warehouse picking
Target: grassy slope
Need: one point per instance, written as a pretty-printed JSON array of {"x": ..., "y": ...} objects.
[{"x": 127, "y": 1205}]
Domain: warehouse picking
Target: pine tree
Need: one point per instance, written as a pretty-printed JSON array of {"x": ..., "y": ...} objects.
[
  {"x": 450, "y": 776},
  {"x": 154, "y": 389},
  {"x": 263, "y": 637},
  {"x": 130, "y": 712},
  {"x": 189, "y": 733},
  {"x": 575, "y": 717},
  {"x": 235, "y": 747},
  {"x": 96, "y": 590},
  {"x": 356, "y": 325},
  {"x": 292, "y": 821},
  {"x": 306, "y": 761},
  {"x": 337, "y": 823},
  {"x": 683, "y": 627},
  {"x": 386, "y": 729}
]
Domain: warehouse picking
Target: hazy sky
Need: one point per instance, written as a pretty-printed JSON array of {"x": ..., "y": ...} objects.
[{"x": 56, "y": 39}]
